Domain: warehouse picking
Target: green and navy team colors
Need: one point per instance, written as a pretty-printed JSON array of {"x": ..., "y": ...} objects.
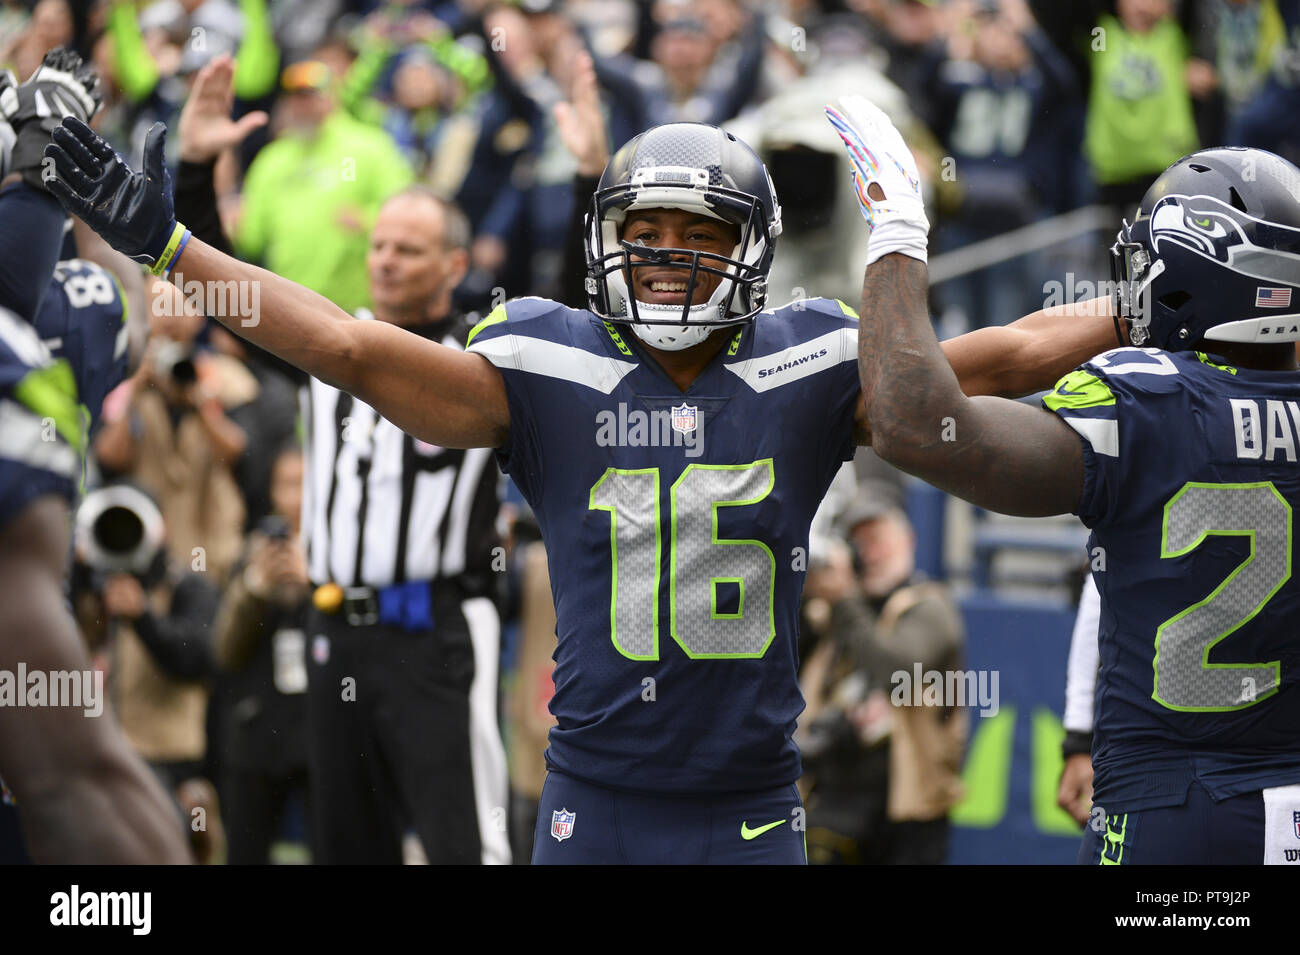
[
  {"x": 1190, "y": 488},
  {"x": 83, "y": 318},
  {"x": 676, "y": 525},
  {"x": 598, "y": 826},
  {"x": 40, "y": 426}
]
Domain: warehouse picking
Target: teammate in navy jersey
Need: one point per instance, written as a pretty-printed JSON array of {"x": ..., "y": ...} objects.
[
  {"x": 1180, "y": 456},
  {"x": 83, "y": 318},
  {"x": 83, "y": 795},
  {"x": 674, "y": 441}
]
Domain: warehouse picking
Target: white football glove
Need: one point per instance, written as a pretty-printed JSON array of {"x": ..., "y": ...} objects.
[{"x": 876, "y": 149}]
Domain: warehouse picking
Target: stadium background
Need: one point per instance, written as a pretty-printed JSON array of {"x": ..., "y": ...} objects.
[{"x": 1037, "y": 126}]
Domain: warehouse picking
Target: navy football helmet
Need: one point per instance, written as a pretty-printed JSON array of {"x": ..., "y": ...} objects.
[
  {"x": 1214, "y": 253},
  {"x": 697, "y": 168}
]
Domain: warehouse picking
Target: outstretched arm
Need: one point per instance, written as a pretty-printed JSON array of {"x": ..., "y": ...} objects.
[
  {"x": 999, "y": 454},
  {"x": 440, "y": 395},
  {"x": 434, "y": 393},
  {"x": 1032, "y": 353}
]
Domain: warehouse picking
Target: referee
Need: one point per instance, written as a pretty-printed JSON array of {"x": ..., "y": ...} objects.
[{"x": 403, "y": 642}]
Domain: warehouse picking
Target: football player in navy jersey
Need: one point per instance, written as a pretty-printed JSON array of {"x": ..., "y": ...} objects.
[
  {"x": 83, "y": 795},
  {"x": 674, "y": 442},
  {"x": 1180, "y": 455}
]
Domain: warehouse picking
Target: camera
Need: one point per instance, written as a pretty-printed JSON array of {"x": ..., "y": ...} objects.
[
  {"x": 119, "y": 530},
  {"x": 175, "y": 360},
  {"x": 276, "y": 528}
]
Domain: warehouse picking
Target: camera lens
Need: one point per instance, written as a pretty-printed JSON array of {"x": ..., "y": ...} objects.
[
  {"x": 184, "y": 372},
  {"x": 119, "y": 530}
]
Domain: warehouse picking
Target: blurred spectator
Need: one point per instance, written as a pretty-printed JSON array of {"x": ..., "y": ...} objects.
[
  {"x": 51, "y": 24},
  {"x": 1140, "y": 106},
  {"x": 149, "y": 619},
  {"x": 300, "y": 26},
  {"x": 311, "y": 195},
  {"x": 884, "y": 774},
  {"x": 1268, "y": 119},
  {"x": 823, "y": 244},
  {"x": 907, "y": 31},
  {"x": 433, "y": 78},
  {"x": 269, "y": 420},
  {"x": 535, "y": 49},
  {"x": 168, "y": 428},
  {"x": 260, "y": 643},
  {"x": 148, "y": 58},
  {"x": 1246, "y": 35},
  {"x": 993, "y": 96},
  {"x": 691, "y": 77},
  {"x": 14, "y": 17}
]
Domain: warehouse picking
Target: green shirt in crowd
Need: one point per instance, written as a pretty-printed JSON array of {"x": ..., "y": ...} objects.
[
  {"x": 300, "y": 194},
  {"x": 1139, "y": 110}
]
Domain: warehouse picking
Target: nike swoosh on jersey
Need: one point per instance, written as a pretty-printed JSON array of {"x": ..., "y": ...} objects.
[{"x": 747, "y": 833}]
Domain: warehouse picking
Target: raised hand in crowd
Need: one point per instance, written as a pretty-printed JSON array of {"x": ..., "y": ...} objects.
[
  {"x": 206, "y": 129},
  {"x": 581, "y": 122}
]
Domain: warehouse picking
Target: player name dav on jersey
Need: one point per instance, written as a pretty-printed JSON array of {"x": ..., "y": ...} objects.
[
  {"x": 75, "y": 907},
  {"x": 1265, "y": 428}
]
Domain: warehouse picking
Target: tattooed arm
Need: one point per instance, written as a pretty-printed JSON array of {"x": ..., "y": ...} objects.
[
  {"x": 999, "y": 454},
  {"x": 1006, "y": 456},
  {"x": 1031, "y": 354}
]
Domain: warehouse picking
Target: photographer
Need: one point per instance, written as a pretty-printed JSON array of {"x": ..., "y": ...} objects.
[
  {"x": 150, "y": 623},
  {"x": 883, "y": 773},
  {"x": 168, "y": 429},
  {"x": 260, "y": 644}
]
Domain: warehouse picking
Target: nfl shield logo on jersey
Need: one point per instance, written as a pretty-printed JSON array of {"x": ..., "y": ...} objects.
[
  {"x": 684, "y": 416},
  {"x": 1295, "y": 820},
  {"x": 562, "y": 824}
]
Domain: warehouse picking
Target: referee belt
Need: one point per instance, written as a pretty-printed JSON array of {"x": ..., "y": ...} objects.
[{"x": 407, "y": 605}]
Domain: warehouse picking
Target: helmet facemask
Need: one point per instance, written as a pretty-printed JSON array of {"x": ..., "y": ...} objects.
[
  {"x": 1132, "y": 271},
  {"x": 741, "y": 292}
]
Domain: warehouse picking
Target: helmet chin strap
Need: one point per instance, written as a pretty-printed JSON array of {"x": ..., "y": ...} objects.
[{"x": 672, "y": 337}]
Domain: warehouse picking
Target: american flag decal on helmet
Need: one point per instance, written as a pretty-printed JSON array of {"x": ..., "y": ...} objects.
[{"x": 1273, "y": 298}]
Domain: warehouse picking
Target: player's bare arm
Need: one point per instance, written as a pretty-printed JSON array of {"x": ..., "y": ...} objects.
[
  {"x": 1006, "y": 456},
  {"x": 434, "y": 393},
  {"x": 1031, "y": 354},
  {"x": 440, "y": 395},
  {"x": 996, "y": 453}
]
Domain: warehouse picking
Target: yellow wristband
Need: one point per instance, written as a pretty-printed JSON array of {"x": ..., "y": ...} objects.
[{"x": 169, "y": 251}]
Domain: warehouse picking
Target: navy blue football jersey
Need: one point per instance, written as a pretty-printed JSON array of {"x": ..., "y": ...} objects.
[
  {"x": 1190, "y": 486},
  {"x": 40, "y": 428},
  {"x": 676, "y": 527},
  {"x": 83, "y": 318}
]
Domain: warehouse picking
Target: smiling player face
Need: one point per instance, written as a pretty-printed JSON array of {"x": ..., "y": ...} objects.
[{"x": 678, "y": 229}]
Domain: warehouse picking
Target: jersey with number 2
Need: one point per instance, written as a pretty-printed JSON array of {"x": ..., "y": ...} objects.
[
  {"x": 1191, "y": 484},
  {"x": 676, "y": 527}
]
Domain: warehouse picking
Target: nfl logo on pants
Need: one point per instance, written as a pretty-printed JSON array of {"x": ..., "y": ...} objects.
[{"x": 562, "y": 824}]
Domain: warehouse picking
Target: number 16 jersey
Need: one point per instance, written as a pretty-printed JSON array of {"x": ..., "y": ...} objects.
[{"x": 676, "y": 528}]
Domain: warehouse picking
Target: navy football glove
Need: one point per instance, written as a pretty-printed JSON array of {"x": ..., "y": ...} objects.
[{"x": 131, "y": 210}]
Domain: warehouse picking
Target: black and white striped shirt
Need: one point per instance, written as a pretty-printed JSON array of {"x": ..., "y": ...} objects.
[{"x": 381, "y": 507}]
